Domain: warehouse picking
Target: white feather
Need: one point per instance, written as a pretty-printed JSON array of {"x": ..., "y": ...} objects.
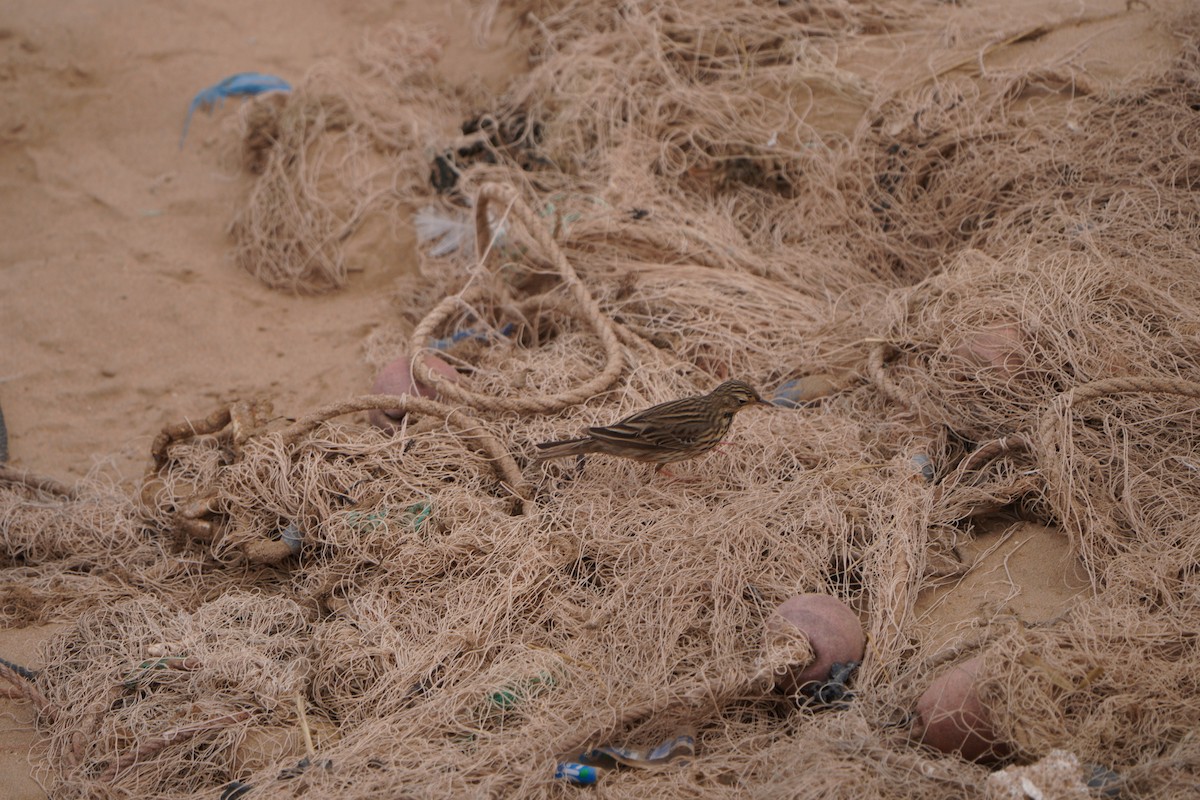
[{"x": 449, "y": 231}]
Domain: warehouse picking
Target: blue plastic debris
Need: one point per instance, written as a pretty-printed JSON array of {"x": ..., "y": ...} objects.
[
  {"x": 243, "y": 84},
  {"x": 576, "y": 773},
  {"x": 1103, "y": 781},
  {"x": 788, "y": 395},
  {"x": 470, "y": 333},
  {"x": 586, "y": 770},
  {"x": 293, "y": 537},
  {"x": 804, "y": 391},
  {"x": 924, "y": 465}
]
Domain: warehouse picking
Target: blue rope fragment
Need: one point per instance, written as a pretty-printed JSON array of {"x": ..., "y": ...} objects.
[{"x": 243, "y": 84}]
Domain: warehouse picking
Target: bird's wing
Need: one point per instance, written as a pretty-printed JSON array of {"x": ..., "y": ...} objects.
[
  {"x": 674, "y": 425},
  {"x": 631, "y": 438}
]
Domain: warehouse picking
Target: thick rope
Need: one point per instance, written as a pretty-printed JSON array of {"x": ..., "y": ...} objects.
[
  {"x": 590, "y": 310},
  {"x": 1053, "y": 439},
  {"x": 21, "y": 680},
  {"x": 1126, "y": 385},
  {"x": 42, "y": 483},
  {"x": 890, "y": 390}
]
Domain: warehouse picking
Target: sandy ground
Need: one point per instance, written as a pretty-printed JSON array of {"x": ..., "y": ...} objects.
[{"x": 120, "y": 307}]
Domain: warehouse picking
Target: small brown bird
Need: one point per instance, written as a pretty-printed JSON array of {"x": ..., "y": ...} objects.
[{"x": 665, "y": 433}]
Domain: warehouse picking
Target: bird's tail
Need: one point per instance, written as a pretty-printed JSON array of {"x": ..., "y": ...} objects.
[{"x": 567, "y": 447}]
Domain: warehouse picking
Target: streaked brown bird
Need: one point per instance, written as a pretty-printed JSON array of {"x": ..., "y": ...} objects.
[{"x": 665, "y": 433}]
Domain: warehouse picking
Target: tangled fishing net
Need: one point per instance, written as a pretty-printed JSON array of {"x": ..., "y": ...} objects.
[{"x": 996, "y": 301}]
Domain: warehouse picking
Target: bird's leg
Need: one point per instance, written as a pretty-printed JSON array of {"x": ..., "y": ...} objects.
[{"x": 681, "y": 478}]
